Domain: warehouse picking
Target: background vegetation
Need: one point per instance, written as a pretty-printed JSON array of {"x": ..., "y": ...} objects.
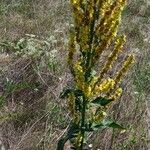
[{"x": 33, "y": 72}]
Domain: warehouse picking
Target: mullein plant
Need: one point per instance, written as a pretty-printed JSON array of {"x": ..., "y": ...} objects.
[{"x": 94, "y": 32}]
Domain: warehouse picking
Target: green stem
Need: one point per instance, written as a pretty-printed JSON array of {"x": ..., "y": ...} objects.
[
  {"x": 91, "y": 37},
  {"x": 83, "y": 122},
  {"x": 89, "y": 55}
]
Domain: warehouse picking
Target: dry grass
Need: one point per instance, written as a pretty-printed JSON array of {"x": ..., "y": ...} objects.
[{"x": 32, "y": 116}]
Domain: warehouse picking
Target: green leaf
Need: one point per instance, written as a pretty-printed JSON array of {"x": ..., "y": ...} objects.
[
  {"x": 78, "y": 93},
  {"x": 72, "y": 133},
  {"x": 73, "y": 130},
  {"x": 115, "y": 125},
  {"x": 109, "y": 123},
  {"x": 61, "y": 143},
  {"x": 65, "y": 93},
  {"x": 102, "y": 101},
  {"x": 93, "y": 73},
  {"x": 2, "y": 101},
  {"x": 78, "y": 104},
  {"x": 88, "y": 127}
]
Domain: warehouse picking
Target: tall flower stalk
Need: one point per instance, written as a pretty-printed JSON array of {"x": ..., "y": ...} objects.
[{"x": 95, "y": 32}]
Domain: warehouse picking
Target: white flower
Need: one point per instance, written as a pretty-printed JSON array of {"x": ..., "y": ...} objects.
[{"x": 90, "y": 145}]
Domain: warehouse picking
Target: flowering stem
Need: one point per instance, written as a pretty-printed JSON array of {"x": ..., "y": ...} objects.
[{"x": 95, "y": 29}]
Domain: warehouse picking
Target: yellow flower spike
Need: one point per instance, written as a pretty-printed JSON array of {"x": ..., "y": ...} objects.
[
  {"x": 106, "y": 15},
  {"x": 107, "y": 39},
  {"x": 89, "y": 94},
  {"x": 78, "y": 140},
  {"x": 78, "y": 13},
  {"x": 105, "y": 86},
  {"x": 112, "y": 83},
  {"x": 104, "y": 7},
  {"x": 127, "y": 63},
  {"x": 113, "y": 56},
  {"x": 112, "y": 33},
  {"x": 78, "y": 17},
  {"x": 71, "y": 48},
  {"x": 71, "y": 104},
  {"x": 95, "y": 27},
  {"x": 79, "y": 75},
  {"x": 109, "y": 24},
  {"x": 78, "y": 67},
  {"x": 84, "y": 37},
  {"x": 88, "y": 91},
  {"x": 71, "y": 107},
  {"x": 116, "y": 94},
  {"x": 93, "y": 81},
  {"x": 74, "y": 2},
  {"x": 90, "y": 8},
  {"x": 111, "y": 15}
]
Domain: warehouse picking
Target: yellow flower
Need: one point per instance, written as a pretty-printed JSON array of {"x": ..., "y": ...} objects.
[
  {"x": 113, "y": 56},
  {"x": 77, "y": 140},
  {"x": 116, "y": 94},
  {"x": 104, "y": 6},
  {"x": 105, "y": 86},
  {"x": 79, "y": 75},
  {"x": 93, "y": 81},
  {"x": 111, "y": 13},
  {"x": 120, "y": 74},
  {"x": 71, "y": 104},
  {"x": 99, "y": 116},
  {"x": 71, "y": 48},
  {"x": 74, "y": 1},
  {"x": 84, "y": 37},
  {"x": 106, "y": 41},
  {"x": 106, "y": 29},
  {"x": 88, "y": 91}
]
